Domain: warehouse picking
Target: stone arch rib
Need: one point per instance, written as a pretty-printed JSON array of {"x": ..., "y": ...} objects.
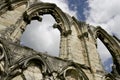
[
  {"x": 111, "y": 45},
  {"x": 37, "y": 9},
  {"x": 77, "y": 68}
]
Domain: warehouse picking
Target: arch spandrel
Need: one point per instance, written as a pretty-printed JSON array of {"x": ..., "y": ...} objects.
[
  {"x": 17, "y": 3},
  {"x": 14, "y": 9},
  {"x": 11, "y": 5}
]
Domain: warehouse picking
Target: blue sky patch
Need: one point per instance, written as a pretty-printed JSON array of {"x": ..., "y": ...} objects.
[{"x": 79, "y": 6}]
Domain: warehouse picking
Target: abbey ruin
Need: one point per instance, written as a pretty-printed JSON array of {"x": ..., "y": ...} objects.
[{"x": 78, "y": 58}]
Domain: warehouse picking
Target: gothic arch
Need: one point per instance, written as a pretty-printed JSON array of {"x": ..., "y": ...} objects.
[
  {"x": 74, "y": 70},
  {"x": 22, "y": 65},
  {"x": 73, "y": 73},
  {"x": 37, "y": 60},
  {"x": 111, "y": 45},
  {"x": 35, "y": 10}
]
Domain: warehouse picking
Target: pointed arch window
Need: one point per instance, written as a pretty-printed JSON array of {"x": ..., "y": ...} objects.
[{"x": 41, "y": 36}]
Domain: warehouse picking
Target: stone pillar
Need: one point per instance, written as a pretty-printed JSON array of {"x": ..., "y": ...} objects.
[{"x": 63, "y": 47}]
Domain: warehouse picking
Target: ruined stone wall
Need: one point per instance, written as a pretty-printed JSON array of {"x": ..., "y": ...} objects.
[{"x": 78, "y": 58}]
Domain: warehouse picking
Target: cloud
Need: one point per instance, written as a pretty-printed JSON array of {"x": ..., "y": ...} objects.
[
  {"x": 104, "y": 53},
  {"x": 41, "y": 36},
  {"x": 105, "y": 13},
  {"x": 62, "y": 4}
]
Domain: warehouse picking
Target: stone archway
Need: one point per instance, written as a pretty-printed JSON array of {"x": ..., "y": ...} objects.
[
  {"x": 34, "y": 12},
  {"x": 110, "y": 44},
  {"x": 72, "y": 74}
]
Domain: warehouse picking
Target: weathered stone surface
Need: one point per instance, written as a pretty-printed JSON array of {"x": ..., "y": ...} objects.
[{"x": 78, "y": 60}]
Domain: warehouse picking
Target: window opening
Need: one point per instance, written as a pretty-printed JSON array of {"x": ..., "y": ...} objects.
[
  {"x": 106, "y": 57},
  {"x": 41, "y": 36}
]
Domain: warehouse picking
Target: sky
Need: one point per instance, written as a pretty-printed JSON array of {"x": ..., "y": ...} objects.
[{"x": 104, "y": 13}]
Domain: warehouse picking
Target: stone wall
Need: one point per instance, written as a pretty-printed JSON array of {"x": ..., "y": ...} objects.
[{"x": 78, "y": 58}]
